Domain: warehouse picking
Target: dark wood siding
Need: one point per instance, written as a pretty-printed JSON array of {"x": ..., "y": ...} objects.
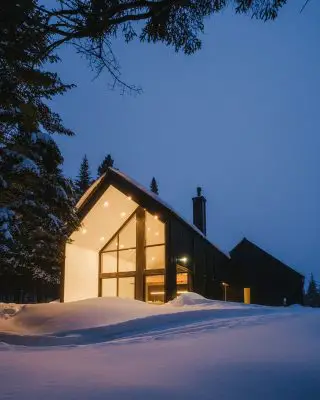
[
  {"x": 270, "y": 280},
  {"x": 205, "y": 261}
]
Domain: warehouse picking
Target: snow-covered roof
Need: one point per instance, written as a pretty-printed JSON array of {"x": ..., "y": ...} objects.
[{"x": 148, "y": 193}]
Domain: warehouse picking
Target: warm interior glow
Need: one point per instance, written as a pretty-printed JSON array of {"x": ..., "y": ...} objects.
[
  {"x": 104, "y": 221},
  {"x": 81, "y": 273},
  {"x": 106, "y": 204},
  {"x": 123, "y": 214},
  {"x": 154, "y": 289},
  {"x": 82, "y": 254}
]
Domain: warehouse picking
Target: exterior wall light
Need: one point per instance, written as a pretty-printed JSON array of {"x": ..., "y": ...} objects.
[
  {"x": 184, "y": 260},
  {"x": 225, "y": 285}
]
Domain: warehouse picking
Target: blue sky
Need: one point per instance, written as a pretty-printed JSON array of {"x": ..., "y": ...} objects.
[{"x": 239, "y": 118}]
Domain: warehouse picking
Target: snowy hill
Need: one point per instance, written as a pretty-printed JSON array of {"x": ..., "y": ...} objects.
[{"x": 189, "y": 348}]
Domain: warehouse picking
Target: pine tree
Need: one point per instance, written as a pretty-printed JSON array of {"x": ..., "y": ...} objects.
[
  {"x": 312, "y": 295},
  {"x": 84, "y": 179},
  {"x": 36, "y": 203},
  {"x": 47, "y": 213},
  {"x": 106, "y": 163},
  {"x": 154, "y": 186}
]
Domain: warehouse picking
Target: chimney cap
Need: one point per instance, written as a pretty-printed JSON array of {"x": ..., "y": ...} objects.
[{"x": 199, "y": 189}]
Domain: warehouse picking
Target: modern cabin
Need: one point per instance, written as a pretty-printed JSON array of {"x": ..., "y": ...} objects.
[{"x": 133, "y": 245}]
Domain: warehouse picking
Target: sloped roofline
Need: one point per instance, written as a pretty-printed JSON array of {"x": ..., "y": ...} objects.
[
  {"x": 91, "y": 196},
  {"x": 265, "y": 252}
]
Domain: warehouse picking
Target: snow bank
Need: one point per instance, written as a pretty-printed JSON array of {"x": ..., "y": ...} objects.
[
  {"x": 205, "y": 350},
  {"x": 57, "y": 317},
  {"x": 102, "y": 320},
  {"x": 190, "y": 299}
]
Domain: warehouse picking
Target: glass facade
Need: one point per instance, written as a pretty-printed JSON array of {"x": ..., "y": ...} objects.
[{"x": 119, "y": 273}]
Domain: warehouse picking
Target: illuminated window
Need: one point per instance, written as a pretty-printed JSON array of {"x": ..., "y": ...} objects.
[
  {"x": 182, "y": 283},
  {"x": 113, "y": 245},
  {"x": 127, "y": 236},
  {"x": 109, "y": 287},
  {"x": 109, "y": 262},
  {"x": 154, "y": 231},
  {"x": 155, "y": 257},
  {"x": 154, "y": 289},
  {"x": 127, "y": 260},
  {"x": 126, "y": 287}
]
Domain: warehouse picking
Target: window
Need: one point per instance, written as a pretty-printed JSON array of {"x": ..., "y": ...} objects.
[
  {"x": 182, "y": 283},
  {"x": 118, "y": 259},
  {"x": 127, "y": 260},
  {"x": 154, "y": 289},
  {"x": 113, "y": 245},
  {"x": 154, "y": 231},
  {"x": 127, "y": 236},
  {"x": 109, "y": 287},
  {"x": 109, "y": 262},
  {"x": 155, "y": 257},
  {"x": 126, "y": 287}
]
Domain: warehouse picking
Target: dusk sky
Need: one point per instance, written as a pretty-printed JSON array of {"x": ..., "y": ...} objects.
[{"x": 241, "y": 118}]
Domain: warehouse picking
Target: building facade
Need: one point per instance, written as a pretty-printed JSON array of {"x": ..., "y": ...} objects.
[
  {"x": 271, "y": 282},
  {"x": 131, "y": 244}
]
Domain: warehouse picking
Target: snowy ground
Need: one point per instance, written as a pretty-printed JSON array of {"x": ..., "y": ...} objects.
[{"x": 193, "y": 348}]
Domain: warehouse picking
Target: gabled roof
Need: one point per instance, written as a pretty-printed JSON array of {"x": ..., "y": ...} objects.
[
  {"x": 246, "y": 242},
  {"x": 139, "y": 193}
]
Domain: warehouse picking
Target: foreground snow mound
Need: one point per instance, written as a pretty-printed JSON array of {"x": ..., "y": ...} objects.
[
  {"x": 57, "y": 317},
  {"x": 190, "y": 299}
]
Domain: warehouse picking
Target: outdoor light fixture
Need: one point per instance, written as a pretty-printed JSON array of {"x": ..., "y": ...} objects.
[
  {"x": 155, "y": 217},
  {"x": 129, "y": 198},
  {"x": 106, "y": 204},
  {"x": 84, "y": 231},
  {"x": 225, "y": 285},
  {"x": 182, "y": 259},
  {"x": 123, "y": 214}
]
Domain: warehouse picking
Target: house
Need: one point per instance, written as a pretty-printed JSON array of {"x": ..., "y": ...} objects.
[
  {"x": 271, "y": 282},
  {"x": 131, "y": 244}
]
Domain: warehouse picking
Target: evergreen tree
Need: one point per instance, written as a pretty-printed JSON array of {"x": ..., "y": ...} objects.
[
  {"x": 154, "y": 186},
  {"x": 312, "y": 295},
  {"x": 36, "y": 202},
  {"x": 106, "y": 163},
  {"x": 84, "y": 179}
]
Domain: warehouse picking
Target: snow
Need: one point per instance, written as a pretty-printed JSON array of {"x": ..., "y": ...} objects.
[
  {"x": 111, "y": 348},
  {"x": 42, "y": 136},
  {"x": 6, "y": 216},
  {"x": 27, "y": 165}
]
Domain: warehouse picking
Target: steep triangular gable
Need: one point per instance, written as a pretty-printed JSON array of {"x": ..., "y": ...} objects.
[{"x": 140, "y": 194}]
